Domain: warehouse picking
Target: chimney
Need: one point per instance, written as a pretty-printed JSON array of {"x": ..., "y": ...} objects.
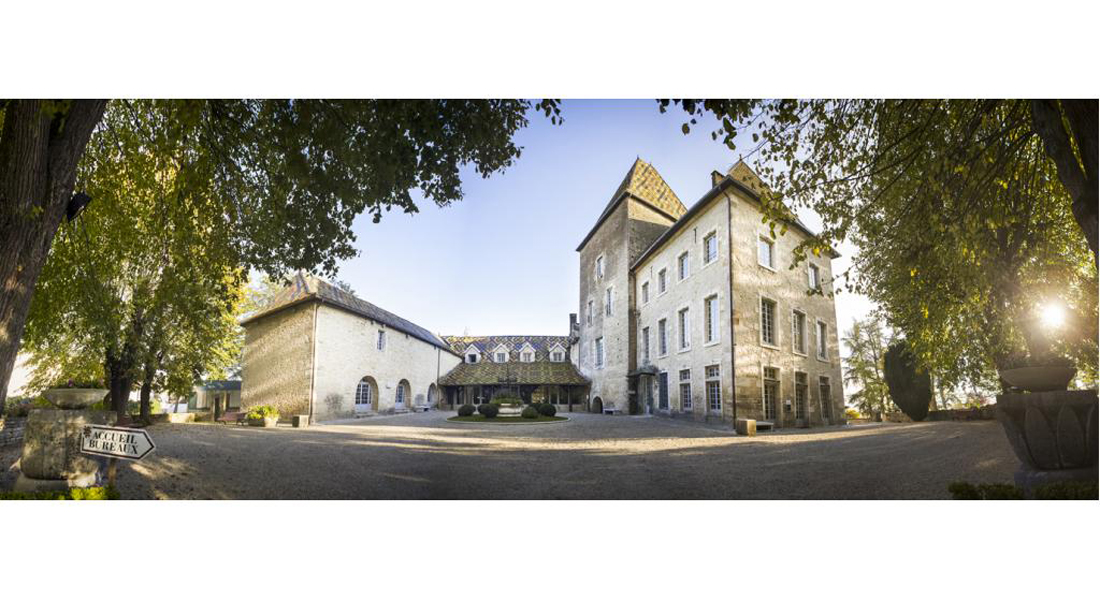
[{"x": 574, "y": 327}]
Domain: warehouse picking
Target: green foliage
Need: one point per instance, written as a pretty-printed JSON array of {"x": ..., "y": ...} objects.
[
  {"x": 256, "y": 413},
  {"x": 910, "y": 388},
  {"x": 1068, "y": 490},
  {"x": 960, "y": 490},
  {"x": 466, "y": 410},
  {"x": 506, "y": 399},
  {"x": 1064, "y": 490},
  {"x": 489, "y": 411},
  {"x": 965, "y": 221},
  {"x": 21, "y": 406},
  {"x": 79, "y": 382},
  {"x": 863, "y": 369},
  {"x": 851, "y": 414},
  {"x": 92, "y": 493},
  {"x": 547, "y": 410},
  {"x": 529, "y": 412}
]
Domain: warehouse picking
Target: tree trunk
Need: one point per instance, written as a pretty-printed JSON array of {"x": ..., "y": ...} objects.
[
  {"x": 120, "y": 380},
  {"x": 1078, "y": 177},
  {"x": 147, "y": 389},
  {"x": 40, "y": 145}
]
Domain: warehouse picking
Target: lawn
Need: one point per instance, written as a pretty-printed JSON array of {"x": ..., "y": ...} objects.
[{"x": 502, "y": 420}]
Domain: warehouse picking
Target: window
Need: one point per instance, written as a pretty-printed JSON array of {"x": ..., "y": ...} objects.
[
  {"x": 588, "y": 314},
  {"x": 599, "y": 267},
  {"x": 527, "y": 357},
  {"x": 822, "y": 341},
  {"x": 765, "y": 254},
  {"x": 645, "y": 292},
  {"x": 710, "y": 248},
  {"x": 685, "y": 389},
  {"x": 798, "y": 332},
  {"x": 767, "y": 322},
  {"x": 364, "y": 396},
  {"x": 682, "y": 266},
  {"x": 815, "y": 278},
  {"x": 710, "y": 319},
  {"x": 662, "y": 281},
  {"x": 800, "y": 395},
  {"x": 714, "y": 388},
  {"x": 826, "y": 398},
  {"x": 381, "y": 340},
  {"x": 662, "y": 337},
  {"x": 502, "y": 357},
  {"x": 645, "y": 344},
  {"x": 599, "y": 352},
  {"x": 685, "y": 331},
  {"x": 771, "y": 391},
  {"x": 471, "y": 357},
  {"x": 557, "y": 356},
  {"x": 607, "y": 305}
]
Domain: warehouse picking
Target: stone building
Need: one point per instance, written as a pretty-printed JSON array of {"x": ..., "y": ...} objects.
[
  {"x": 697, "y": 313},
  {"x": 536, "y": 368},
  {"x": 318, "y": 350}
]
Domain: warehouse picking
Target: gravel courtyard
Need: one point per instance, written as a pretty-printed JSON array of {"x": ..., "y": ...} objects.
[{"x": 422, "y": 456}]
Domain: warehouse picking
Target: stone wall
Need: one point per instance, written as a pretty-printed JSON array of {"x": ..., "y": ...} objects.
[
  {"x": 702, "y": 281},
  {"x": 278, "y": 361},
  {"x": 11, "y": 430},
  {"x": 788, "y": 288},
  {"x": 347, "y": 351}
]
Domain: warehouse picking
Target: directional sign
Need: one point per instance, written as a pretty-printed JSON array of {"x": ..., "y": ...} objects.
[{"x": 116, "y": 442}]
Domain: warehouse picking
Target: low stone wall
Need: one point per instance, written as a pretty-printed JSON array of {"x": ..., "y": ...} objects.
[
  {"x": 11, "y": 430},
  {"x": 985, "y": 413}
]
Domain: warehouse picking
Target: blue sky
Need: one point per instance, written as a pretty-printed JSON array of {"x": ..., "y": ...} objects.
[{"x": 503, "y": 259}]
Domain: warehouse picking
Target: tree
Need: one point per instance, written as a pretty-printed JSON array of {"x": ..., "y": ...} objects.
[
  {"x": 289, "y": 176},
  {"x": 969, "y": 212},
  {"x": 910, "y": 387},
  {"x": 863, "y": 367},
  {"x": 138, "y": 280}
]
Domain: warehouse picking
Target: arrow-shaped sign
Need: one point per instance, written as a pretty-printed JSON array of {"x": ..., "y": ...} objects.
[{"x": 116, "y": 442}]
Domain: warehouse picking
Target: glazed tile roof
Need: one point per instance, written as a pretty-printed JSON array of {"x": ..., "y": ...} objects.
[
  {"x": 488, "y": 343},
  {"x": 643, "y": 182},
  {"x": 305, "y": 287},
  {"x": 532, "y": 373}
]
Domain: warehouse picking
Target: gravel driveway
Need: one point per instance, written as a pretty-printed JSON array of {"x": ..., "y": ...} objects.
[{"x": 422, "y": 456}]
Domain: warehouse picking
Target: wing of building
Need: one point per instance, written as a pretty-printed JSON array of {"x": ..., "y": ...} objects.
[{"x": 698, "y": 312}]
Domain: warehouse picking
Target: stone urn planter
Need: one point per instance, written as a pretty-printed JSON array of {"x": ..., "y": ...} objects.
[
  {"x": 74, "y": 398},
  {"x": 51, "y": 458},
  {"x": 510, "y": 409},
  {"x": 264, "y": 422},
  {"x": 1048, "y": 378},
  {"x": 1054, "y": 434}
]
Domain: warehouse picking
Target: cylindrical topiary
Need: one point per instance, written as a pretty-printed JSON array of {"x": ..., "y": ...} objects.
[
  {"x": 466, "y": 410},
  {"x": 547, "y": 410},
  {"x": 529, "y": 412},
  {"x": 910, "y": 389}
]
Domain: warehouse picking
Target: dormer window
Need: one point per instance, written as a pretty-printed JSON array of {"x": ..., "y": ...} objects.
[
  {"x": 557, "y": 353},
  {"x": 527, "y": 353},
  {"x": 500, "y": 354},
  {"x": 527, "y": 357},
  {"x": 472, "y": 355},
  {"x": 502, "y": 357}
]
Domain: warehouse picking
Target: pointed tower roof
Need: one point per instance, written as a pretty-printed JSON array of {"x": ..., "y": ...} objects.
[{"x": 646, "y": 185}]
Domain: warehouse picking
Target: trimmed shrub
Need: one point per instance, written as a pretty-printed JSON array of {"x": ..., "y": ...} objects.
[
  {"x": 529, "y": 412},
  {"x": 489, "y": 411},
  {"x": 547, "y": 410},
  {"x": 466, "y": 410},
  {"x": 910, "y": 389},
  {"x": 264, "y": 410}
]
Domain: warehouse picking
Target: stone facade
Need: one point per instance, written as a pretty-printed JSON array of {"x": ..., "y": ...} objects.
[
  {"x": 307, "y": 352},
  {"x": 716, "y": 370},
  {"x": 642, "y": 209},
  {"x": 347, "y": 352},
  {"x": 277, "y": 364}
]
